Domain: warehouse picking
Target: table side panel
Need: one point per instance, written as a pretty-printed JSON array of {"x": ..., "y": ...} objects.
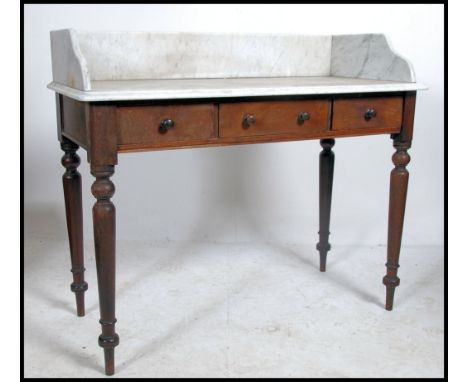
[{"x": 74, "y": 121}]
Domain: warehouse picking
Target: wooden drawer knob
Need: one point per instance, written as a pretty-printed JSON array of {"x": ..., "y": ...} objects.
[
  {"x": 166, "y": 124},
  {"x": 302, "y": 117},
  {"x": 369, "y": 114},
  {"x": 248, "y": 120}
]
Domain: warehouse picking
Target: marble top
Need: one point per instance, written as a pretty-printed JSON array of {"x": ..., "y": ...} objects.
[
  {"x": 110, "y": 66},
  {"x": 229, "y": 87}
]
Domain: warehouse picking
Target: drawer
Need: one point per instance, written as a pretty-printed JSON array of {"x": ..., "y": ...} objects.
[
  {"x": 378, "y": 113},
  {"x": 271, "y": 118},
  {"x": 142, "y": 124}
]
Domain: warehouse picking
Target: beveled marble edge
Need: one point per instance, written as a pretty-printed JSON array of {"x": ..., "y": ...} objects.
[{"x": 224, "y": 92}]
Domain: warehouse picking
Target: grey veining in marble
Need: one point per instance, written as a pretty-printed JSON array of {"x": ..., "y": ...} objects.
[
  {"x": 144, "y": 55},
  {"x": 103, "y": 66},
  {"x": 368, "y": 56},
  {"x": 230, "y": 87}
]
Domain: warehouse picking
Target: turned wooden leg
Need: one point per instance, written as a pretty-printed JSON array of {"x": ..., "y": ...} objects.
[
  {"x": 398, "y": 187},
  {"x": 73, "y": 206},
  {"x": 104, "y": 240},
  {"x": 327, "y": 162}
]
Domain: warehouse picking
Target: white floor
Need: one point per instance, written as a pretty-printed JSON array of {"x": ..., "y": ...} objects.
[{"x": 237, "y": 310}]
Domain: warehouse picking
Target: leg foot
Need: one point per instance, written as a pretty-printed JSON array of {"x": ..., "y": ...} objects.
[
  {"x": 79, "y": 288},
  {"x": 109, "y": 361},
  {"x": 109, "y": 343},
  {"x": 391, "y": 283},
  {"x": 323, "y": 250}
]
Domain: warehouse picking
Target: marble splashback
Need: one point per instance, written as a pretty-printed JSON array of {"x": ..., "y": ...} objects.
[
  {"x": 368, "y": 56},
  {"x": 142, "y": 55},
  {"x": 80, "y": 59},
  {"x": 69, "y": 67}
]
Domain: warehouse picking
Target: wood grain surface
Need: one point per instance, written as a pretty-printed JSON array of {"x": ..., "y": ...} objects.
[
  {"x": 349, "y": 114},
  {"x": 273, "y": 117}
]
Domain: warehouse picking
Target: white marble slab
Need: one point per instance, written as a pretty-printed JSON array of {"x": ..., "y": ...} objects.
[{"x": 234, "y": 87}]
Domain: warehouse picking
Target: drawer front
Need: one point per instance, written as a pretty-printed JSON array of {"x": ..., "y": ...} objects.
[
  {"x": 377, "y": 113},
  {"x": 271, "y": 118},
  {"x": 142, "y": 124}
]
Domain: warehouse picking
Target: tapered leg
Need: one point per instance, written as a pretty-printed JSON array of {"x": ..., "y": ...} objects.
[
  {"x": 327, "y": 162},
  {"x": 104, "y": 240},
  {"x": 73, "y": 206},
  {"x": 398, "y": 188}
]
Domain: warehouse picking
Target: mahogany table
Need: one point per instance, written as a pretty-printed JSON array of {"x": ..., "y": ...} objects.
[{"x": 131, "y": 91}]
